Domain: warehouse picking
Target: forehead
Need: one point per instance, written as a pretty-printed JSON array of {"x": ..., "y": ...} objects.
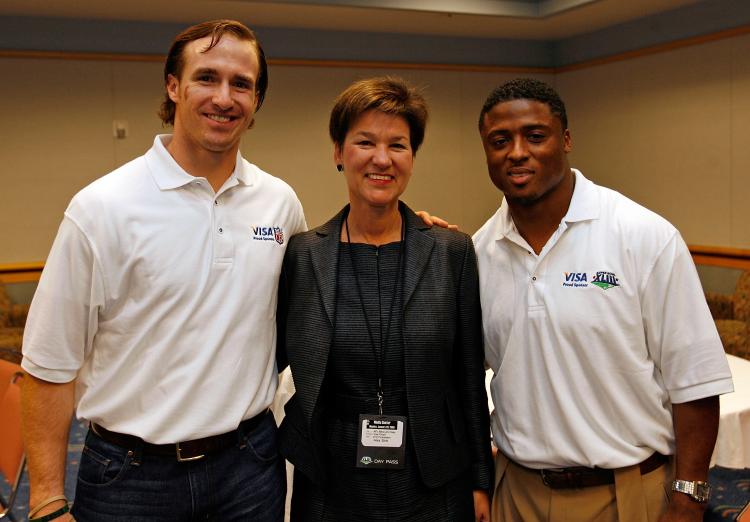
[
  {"x": 374, "y": 121},
  {"x": 520, "y": 113},
  {"x": 230, "y": 52}
]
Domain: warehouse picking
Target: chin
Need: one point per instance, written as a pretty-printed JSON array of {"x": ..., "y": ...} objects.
[
  {"x": 525, "y": 200},
  {"x": 381, "y": 203},
  {"x": 219, "y": 146}
]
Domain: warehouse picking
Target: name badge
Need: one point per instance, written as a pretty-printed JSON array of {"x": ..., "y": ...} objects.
[{"x": 381, "y": 442}]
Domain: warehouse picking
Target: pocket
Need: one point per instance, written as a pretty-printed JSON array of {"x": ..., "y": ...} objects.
[
  {"x": 99, "y": 470},
  {"x": 262, "y": 442}
]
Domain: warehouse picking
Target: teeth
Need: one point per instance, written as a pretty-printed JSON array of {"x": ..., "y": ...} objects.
[
  {"x": 219, "y": 118},
  {"x": 379, "y": 177}
]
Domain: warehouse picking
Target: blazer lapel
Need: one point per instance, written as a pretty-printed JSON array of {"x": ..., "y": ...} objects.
[
  {"x": 418, "y": 249},
  {"x": 322, "y": 254}
]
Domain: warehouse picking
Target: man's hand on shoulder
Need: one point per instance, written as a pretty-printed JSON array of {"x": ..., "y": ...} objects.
[{"x": 435, "y": 220}]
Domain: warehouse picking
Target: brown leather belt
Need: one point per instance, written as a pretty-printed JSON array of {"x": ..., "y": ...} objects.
[
  {"x": 581, "y": 477},
  {"x": 184, "y": 451}
]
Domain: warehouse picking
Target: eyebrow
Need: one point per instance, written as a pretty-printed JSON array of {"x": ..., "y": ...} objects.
[
  {"x": 531, "y": 126},
  {"x": 371, "y": 135},
  {"x": 204, "y": 70},
  {"x": 245, "y": 78},
  {"x": 209, "y": 70}
]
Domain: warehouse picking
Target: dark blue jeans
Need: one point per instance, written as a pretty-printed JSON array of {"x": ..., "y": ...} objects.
[{"x": 244, "y": 482}]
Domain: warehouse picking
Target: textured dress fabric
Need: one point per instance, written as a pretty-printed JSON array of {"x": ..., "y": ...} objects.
[{"x": 349, "y": 389}]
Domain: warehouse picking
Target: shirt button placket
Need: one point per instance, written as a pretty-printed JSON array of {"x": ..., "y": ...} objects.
[{"x": 223, "y": 245}]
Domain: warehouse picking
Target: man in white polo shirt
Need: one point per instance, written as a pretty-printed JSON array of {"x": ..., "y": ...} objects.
[
  {"x": 155, "y": 314},
  {"x": 605, "y": 356}
]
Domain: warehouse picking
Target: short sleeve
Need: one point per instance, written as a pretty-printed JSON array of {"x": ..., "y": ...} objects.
[
  {"x": 63, "y": 317},
  {"x": 300, "y": 222},
  {"x": 680, "y": 333}
]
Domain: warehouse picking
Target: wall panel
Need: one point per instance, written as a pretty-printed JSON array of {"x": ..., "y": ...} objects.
[
  {"x": 665, "y": 130},
  {"x": 670, "y": 130}
]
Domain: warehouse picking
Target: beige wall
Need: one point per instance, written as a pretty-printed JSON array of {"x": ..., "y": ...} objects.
[
  {"x": 59, "y": 138},
  {"x": 56, "y": 137},
  {"x": 669, "y": 130}
]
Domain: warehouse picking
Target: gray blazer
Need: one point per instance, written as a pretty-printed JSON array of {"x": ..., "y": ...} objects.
[{"x": 443, "y": 352}]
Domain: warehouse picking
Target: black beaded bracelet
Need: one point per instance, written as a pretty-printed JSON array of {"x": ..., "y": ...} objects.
[{"x": 51, "y": 516}]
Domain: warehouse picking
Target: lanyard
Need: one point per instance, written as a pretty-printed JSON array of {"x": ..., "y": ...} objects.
[{"x": 379, "y": 355}]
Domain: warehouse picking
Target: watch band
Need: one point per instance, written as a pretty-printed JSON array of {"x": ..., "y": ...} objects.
[{"x": 697, "y": 490}]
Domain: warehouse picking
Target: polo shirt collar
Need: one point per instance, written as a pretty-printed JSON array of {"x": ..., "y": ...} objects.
[
  {"x": 168, "y": 174},
  {"x": 584, "y": 205},
  {"x": 505, "y": 226}
]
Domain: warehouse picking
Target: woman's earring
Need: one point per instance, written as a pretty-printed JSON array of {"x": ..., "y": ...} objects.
[{"x": 340, "y": 167}]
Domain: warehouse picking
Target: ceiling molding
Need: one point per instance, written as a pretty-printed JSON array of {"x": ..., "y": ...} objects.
[
  {"x": 349, "y": 42},
  {"x": 548, "y": 20},
  {"x": 501, "y": 8}
]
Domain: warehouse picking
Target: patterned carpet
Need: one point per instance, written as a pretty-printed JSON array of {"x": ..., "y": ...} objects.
[
  {"x": 731, "y": 491},
  {"x": 731, "y": 487}
]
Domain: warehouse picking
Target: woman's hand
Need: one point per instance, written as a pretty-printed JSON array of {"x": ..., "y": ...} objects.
[{"x": 481, "y": 506}]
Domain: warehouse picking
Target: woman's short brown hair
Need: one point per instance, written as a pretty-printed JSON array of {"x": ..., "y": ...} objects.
[
  {"x": 215, "y": 29},
  {"x": 387, "y": 94}
]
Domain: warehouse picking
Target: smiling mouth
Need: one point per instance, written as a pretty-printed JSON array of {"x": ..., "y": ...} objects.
[
  {"x": 520, "y": 176},
  {"x": 380, "y": 177},
  {"x": 220, "y": 118}
]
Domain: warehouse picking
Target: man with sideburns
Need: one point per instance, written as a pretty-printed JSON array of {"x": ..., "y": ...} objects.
[
  {"x": 154, "y": 316},
  {"x": 607, "y": 363}
]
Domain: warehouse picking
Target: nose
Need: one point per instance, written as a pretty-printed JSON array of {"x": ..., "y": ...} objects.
[
  {"x": 222, "y": 97},
  {"x": 518, "y": 150},
  {"x": 381, "y": 158}
]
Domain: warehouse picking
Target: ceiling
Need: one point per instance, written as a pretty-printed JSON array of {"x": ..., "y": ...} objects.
[{"x": 507, "y": 19}]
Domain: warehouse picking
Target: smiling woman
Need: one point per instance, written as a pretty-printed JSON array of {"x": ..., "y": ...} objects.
[
  {"x": 389, "y": 419},
  {"x": 376, "y": 158},
  {"x": 377, "y": 126}
]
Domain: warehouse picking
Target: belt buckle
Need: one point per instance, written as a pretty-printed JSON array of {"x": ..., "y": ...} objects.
[
  {"x": 180, "y": 458},
  {"x": 545, "y": 475}
]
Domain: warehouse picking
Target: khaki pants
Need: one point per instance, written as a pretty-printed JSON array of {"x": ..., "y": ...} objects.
[{"x": 521, "y": 496}]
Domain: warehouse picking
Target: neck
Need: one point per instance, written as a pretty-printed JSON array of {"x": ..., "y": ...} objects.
[
  {"x": 538, "y": 221},
  {"x": 373, "y": 225},
  {"x": 216, "y": 167}
]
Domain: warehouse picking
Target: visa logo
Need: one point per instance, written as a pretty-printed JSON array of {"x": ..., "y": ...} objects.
[
  {"x": 263, "y": 231},
  {"x": 575, "y": 277}
]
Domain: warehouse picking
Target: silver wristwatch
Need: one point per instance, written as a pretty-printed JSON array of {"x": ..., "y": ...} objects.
[{"x": 697, "y": 490}]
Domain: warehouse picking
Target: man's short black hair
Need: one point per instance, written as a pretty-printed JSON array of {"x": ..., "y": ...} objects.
[{"x": 526, "y": 89}]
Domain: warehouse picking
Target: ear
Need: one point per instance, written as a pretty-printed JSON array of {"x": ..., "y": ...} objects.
[
  {"x": 173, "y": 87},
  {"x": 567, "y": 141}
]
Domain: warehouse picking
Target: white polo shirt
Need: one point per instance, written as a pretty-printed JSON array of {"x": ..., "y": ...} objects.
[
  {"x": 592, "y": 340},
  {"x": 159, "y": 295}
]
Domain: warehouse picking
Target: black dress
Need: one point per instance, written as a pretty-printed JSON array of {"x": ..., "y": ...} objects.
[{"x": 349, "y": 389}]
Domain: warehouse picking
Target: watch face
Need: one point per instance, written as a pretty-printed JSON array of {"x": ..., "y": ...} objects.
[{"x": 702, "y": 491}]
